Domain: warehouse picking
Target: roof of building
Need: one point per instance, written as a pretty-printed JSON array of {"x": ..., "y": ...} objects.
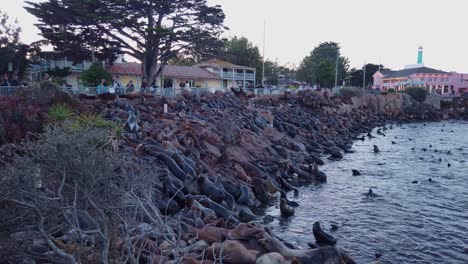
[
  {"x": 408, "y": 72},
  {"x": 222, "y": 64},
  {"x": 174, "y": 71}
]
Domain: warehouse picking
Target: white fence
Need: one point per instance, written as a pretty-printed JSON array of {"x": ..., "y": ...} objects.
[{"x": 162, "y": 92}]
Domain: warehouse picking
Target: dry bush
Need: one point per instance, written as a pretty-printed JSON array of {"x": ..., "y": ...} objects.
[{"x": 79, "y": 197}]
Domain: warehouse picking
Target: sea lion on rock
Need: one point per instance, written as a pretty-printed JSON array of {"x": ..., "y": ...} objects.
[
  {"x": 286, "y": 210},
  {"x": 132, "y": 123},
  {"x": 186, "y": 167},
  {"x": 220, "y": 210},
  {"x": 244, "y": 197},
  {"x": 258, "y": 188},
  {"x": 209, "y": 189},
  {"x": 284, "y": 184},
  {"x": 173, "y": 167},
  {"x": 335, "y": 153},
  {"x": 321, "y": 237},
  {"x": 232, "y": 252},
  {"x": 272, "y": 258},
  {"x": 212, "y": 234},
  {"x": 314, "y": 159},
  {"x": 329, "y": 255},
  {"x": 228, "y": 198}
]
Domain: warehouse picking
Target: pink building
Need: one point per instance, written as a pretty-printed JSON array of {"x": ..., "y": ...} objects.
[{"x": 436, "y": 81}]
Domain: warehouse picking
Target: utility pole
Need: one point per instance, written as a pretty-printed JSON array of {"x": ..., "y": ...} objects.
[
  {"x": 263, "y": 66},
  {"x": 336, "y": 68}
]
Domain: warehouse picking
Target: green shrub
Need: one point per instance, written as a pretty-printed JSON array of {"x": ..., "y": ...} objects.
[
  {"x": 94, "y": 75},
  {"x": 391, "y": 90},
  {"x": 59, "y": 113},
  {"x": 349, "y": 92},
  {"x": 417, "y": 93},
  {"x": 96, "y": 121}
]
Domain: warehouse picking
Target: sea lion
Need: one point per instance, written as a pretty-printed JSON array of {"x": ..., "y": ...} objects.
[
  {"x": 321, "y": 237},
  {"x": 207, "y": 212},
  {"x": 430, "y": 180},
  {"x": 272, "y": 258},
  {"x": 286, "y": 210},
  {"x": 290, "y": 203},
  {"x": 370, "y": 193},
  {"x": 376, "y": 149},
  {"x": 186, "y": 167},
  {"x": 356, "y": 172},
  {"x": 258, "y": 188},
  {"x": 168, "y": 206},
  {"x": 232, "y": 252},
  {"x": 212, "y": 234},
  {"x": 245, "y": 214},
  {"x": 209, "y": 189},
  {"x": 329, "y": 255},
  {"x": 220, "y": 210},
  {"x": 228, "y": 198},
  {"x": 173, "y": 167},
  {"x": 132, "y": 123},
  {"x": 244, "y": 197},
  {"x": 284, "y": 184}
]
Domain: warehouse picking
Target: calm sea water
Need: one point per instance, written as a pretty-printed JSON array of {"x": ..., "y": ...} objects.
[{"x": 407, "y": 223}]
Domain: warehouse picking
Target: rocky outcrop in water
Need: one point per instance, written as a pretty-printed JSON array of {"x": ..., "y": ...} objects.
[{"x": 225, "y": 155}]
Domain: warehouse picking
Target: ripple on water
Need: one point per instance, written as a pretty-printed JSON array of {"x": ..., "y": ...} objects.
[{"x": 408, "y": 223}]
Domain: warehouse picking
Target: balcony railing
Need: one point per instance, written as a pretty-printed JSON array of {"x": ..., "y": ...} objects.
[
  {"x": 78, "y": 67},
  {"x": 239, "y": 76}
]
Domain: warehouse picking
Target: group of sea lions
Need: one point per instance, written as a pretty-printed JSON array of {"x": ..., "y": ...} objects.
[{"x": 227, "y": 154}]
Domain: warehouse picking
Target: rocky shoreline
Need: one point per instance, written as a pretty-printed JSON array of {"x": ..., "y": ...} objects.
[{"x": 226, "y": 155}]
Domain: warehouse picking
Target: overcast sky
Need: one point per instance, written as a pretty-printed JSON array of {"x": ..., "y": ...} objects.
[{"x": 368, "y": 30}]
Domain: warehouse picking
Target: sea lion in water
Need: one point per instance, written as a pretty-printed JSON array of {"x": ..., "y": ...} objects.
[
  {"x": 356, "y": 173},
  {"x": 286, "y": 210},
  {"x": 321, "y": 237},
  {"x": 370, "y": 193},
  {"x": 376, "y": 149},
  {"x": 285, "y": 197}
]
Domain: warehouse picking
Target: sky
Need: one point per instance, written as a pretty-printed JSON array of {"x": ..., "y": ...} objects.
[{"x": 373, "y": 31}]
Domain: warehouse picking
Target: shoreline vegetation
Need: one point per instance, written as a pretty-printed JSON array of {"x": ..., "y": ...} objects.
[{"x": 118, "y": 180}]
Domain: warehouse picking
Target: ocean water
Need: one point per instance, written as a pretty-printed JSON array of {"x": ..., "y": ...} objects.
[{"x": 407, "y": 222}]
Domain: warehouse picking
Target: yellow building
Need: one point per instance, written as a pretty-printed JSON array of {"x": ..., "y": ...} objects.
[{"x": 214, "y": 74}]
